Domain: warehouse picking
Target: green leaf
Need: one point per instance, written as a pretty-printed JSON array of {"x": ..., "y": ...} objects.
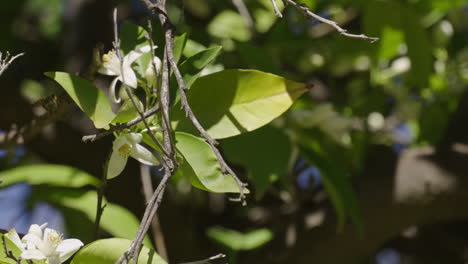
[
  {"x": 192, "y": 47},
  {"x": 229, "y": 24},
  {"x": 132, "y": 37},
  {"x": 192, "y": 67},
  {"x": 237, "y": 241},
  {"x": 265, "y": 162},
  {"x": 179, "y": 45},
  {"x": 55, "y": 175},
  {"x": 88, "y": 98},
  {"x": 10, "y": 246},
  {"x": 339, "y": 189},
  {"x": 231, "y": 102},
  {"x": 108, "y": 251},
  {"x": 127, "y": 111},
  {"x": 116, "y": 220},
  {"x": 201, "y": 167},
  {"x": 409, "y": 21}
]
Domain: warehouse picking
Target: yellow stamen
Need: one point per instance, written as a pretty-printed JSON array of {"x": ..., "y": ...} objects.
[
  {"x": 125, "y": 150},
  {"x": 106, "y": 58}
]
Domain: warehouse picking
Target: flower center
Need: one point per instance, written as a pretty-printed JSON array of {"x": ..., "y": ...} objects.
[
  {"x": 106, "y": 58},
  {"x": 54, "y": 238},
  {"x": 125, "y": 150}
]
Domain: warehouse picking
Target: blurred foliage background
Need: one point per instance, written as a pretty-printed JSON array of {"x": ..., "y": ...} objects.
[{"x": 326, "y": 176}]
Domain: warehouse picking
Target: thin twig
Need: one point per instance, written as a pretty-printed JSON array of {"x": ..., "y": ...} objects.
[
  {"x": 6, "y": 62},
  {"x": 100, "y": 198},
  {"x": 303, "y": 8},
  {"x": 158, "y": 235},
  {"x": 275, "y": 7},
  {"x": 121, "y": 126},
  {"x": 164, "y": 101},
  {"x": 151, "y": 208},
  {"x": 204, "y": 261},
  {"x": 244, "y": 12}
]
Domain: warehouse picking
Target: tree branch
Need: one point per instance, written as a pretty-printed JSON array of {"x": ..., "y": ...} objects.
[
  {"x": 7, "y": 60},
  {"x": 122, "y": 126},
  {"x": 303, "y": 8},
  {"x": 158, "y": 235}
]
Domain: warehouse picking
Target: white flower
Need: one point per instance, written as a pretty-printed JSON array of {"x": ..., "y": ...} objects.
[
  {"x": 46, "y": 246},
  {"x": 125, "y": 146},
  {"x": 124, "y": 73}
]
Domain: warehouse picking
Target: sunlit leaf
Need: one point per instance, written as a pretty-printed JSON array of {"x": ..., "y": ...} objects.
[
  {"x": 201, "y": 166},
  {"x": 232, "y": 102},
  {"x": 88, "y": 98},
  {"x": 108, "y": 251},
  {"x": 55, "y": 175},
  {"x": 179, "y": 45}
]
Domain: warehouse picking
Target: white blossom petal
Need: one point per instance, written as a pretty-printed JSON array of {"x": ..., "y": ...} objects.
[
  {"x": 106, "y": 71},
  {"x": 116, "y": 164},
  {"x": 134, "y": 138},
  {"x": 143, "y": 155},
  {"x": 36, "y": 229},
  {"x": 67, "y": 248},
  {"x": 128, "y": 77},
  {"x": 133, "y": 55},
  {"x": 110, "y": 65},
  {"x": 112, "y": 92},
  {"x": 32, "y": 239},
  {"x": 33, "y": 254}
]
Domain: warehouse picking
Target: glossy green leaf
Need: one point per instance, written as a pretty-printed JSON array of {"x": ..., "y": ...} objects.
[
  {"x": 179, "y": 45},
  {"x": 115, "y": 220},
  {"x": 55, "y": 175},
  {"x": 201, "y": 166},
  {"x": 192, "y": 47},
  {"x": 108, "y": 251},
  {"x": 339, "y": 189},
  {"x": 232, "y": 102},
  {"x": 88, "y": 98},
  {"x": 192, "y": 67},
  {"x": 237, "y": 241},
  {"x": 265, "y": 153}
]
